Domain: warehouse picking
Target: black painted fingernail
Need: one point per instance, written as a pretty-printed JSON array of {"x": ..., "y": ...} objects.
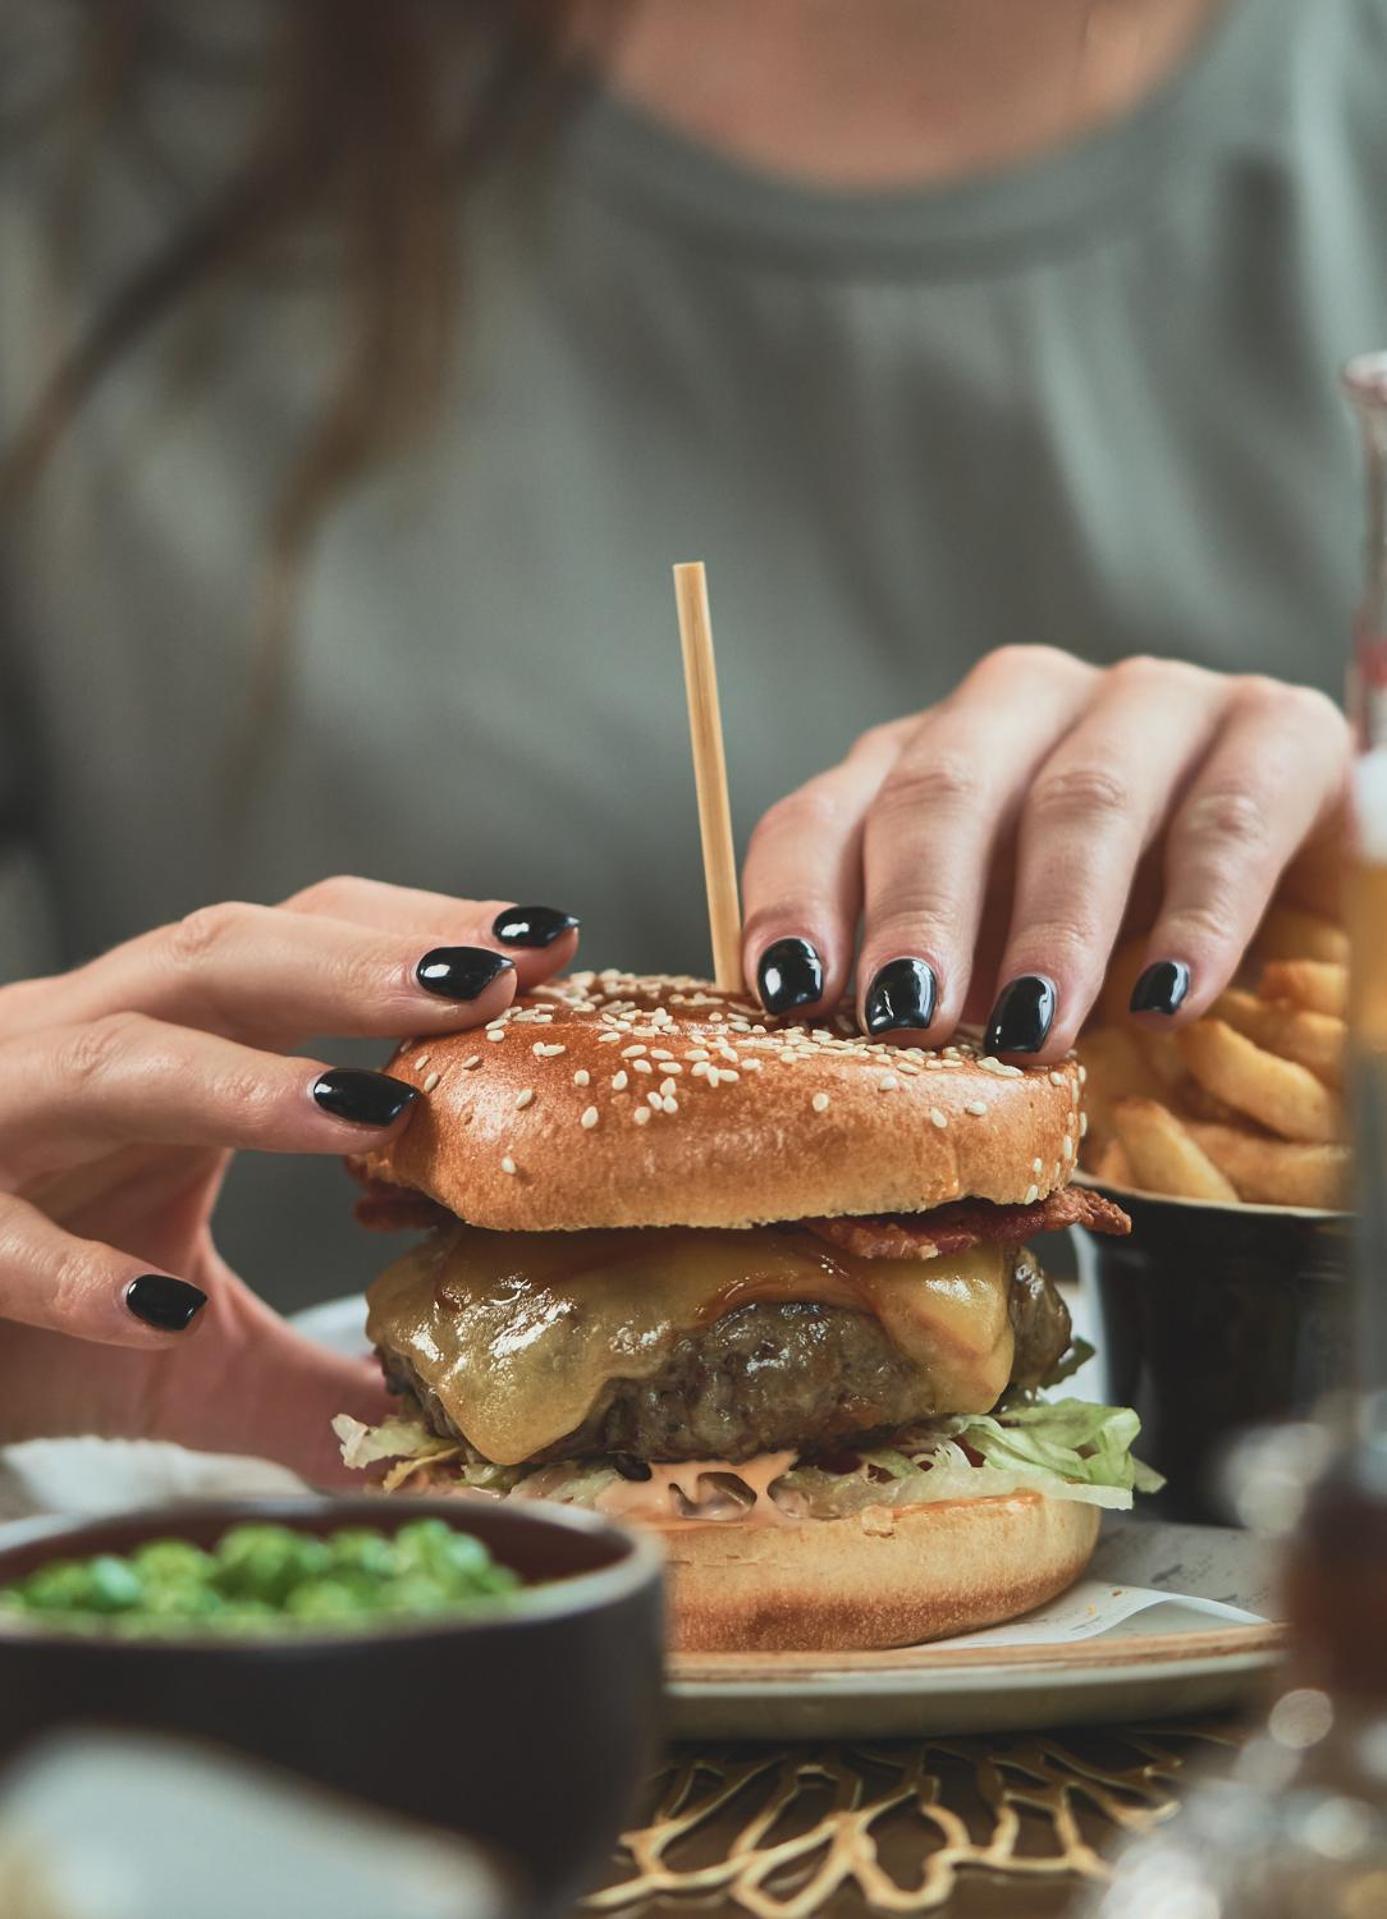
[
  {"x": 1022, "y": 1018},
  {"x": 790, "y": 974},
  {"x": 356, "y": 1093},
  {"x": 904, "y": 992},
  {"x": 532, "y": 925},
  {"x": 460, "y": 972},
  {"x": 1161, "y": 988},
  {"x": 169, "y": 1304}
]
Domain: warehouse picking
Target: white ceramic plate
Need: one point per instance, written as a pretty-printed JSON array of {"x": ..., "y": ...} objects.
[{"x": 1165, "y": 1662}]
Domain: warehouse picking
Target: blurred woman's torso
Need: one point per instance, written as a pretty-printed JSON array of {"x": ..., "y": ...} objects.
[{"x": 1090, "y": 403}]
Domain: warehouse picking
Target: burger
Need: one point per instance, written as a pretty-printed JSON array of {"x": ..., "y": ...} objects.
[{"x": 758, "y": 1283}]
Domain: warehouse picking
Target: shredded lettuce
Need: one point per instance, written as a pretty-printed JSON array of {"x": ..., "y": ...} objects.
[
  {"x": 394, "y": 1438},
  {"x": 1065, "y": 1449}
]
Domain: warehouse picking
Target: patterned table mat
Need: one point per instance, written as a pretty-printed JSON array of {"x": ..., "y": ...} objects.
[{"x": 976, "y": 1826}]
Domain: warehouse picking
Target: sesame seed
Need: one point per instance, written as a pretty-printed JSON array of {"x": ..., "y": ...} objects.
[
  {"x": 888, "y": 1083},
  {"x": 725, "y": 1073},
  {"x": 702, "y": 1070},
  {"x": 820, "y": 1102},
  {"x": 641, "y": 1116},
  {"x": 551, "y": 1052},
  {"x": 473, "y": 1059},
  {"x": 632, "y": 1052},
  {"x": 495, "y": 1032},
  {"x": 658, "y": 1052},
  {"x": 1032, "y": 1195},
  {"x": 671, "y": 1103},
  {"x": 620, "y": 1081},
  {"x": 642, "y": 1066},
  {"x": 656, "y": 1101},
  {"x": 607, "y": 1039},
  {"x": 589, "y": 1119},
  {"x": 430, "y": 1081},
  {"x": 582, "y": 1077},
  {"x": 699, "y": 1053},
  {"x": 1036, "y": 1165},
  {"x": 421, "y": 1062},
  {"x": 523, "y": 1098},
  {"x": 1083, "y": 1125},
  {"x": 507, "y": 1164},
  {"x": 751, "y": 1065},
  {"x": 1083, "y": 1074},
  {"x": 1066, "y": 1148},
  {"x": 937, "y": 1118},
  {"x": 977, "y": 1107},
  {"x": 666, "y": 1087}
]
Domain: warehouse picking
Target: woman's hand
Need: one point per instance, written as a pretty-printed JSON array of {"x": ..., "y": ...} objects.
[
  {"x": 994, "y": 846},
  {"x": 124, "y": 1086}
]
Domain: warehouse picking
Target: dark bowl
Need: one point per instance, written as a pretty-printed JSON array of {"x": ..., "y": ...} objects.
[
  {"x": 529, "y": 1727},
  {"x": 1216, "y": 1319}
]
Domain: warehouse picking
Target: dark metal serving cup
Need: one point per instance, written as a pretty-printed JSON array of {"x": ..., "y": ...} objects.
[
  {"x": 1216, "y": 1319},
  {"x": 528, "y": 1725}
]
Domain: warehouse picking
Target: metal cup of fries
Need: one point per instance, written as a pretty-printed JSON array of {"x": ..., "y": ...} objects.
[{"x": 1230, "y": 1304}]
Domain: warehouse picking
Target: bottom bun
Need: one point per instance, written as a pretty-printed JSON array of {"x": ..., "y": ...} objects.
[
  {"x": 837, "y": 1585},
  {"x": 872, "y": 1581}
]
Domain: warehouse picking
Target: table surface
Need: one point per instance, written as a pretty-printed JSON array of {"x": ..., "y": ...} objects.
[{"x": 986, "y": 1828}]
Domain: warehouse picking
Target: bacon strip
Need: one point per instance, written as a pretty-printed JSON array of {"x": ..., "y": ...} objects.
[
  {"x": 386, "y": 1208},
  {"x": 968, "y": 1223}
]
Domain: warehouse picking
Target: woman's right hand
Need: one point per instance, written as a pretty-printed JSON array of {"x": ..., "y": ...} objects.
[{"x": 124, "y": 1087}]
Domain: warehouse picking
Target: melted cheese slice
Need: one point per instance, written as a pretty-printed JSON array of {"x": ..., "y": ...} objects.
[{"x": 518, "y": 1333}]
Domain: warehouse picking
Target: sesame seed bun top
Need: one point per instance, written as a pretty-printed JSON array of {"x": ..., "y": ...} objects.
[{"x": 611, "y": 1099}]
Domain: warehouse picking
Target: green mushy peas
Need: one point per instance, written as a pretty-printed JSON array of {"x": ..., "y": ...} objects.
[{"x": 259, "y": 1579}]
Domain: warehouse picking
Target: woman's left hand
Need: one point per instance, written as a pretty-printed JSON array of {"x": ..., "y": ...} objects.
[{"x": 993, "y": 848}]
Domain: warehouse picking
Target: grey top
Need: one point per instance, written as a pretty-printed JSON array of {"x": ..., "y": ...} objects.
[{"x": 1092, "y": 403}]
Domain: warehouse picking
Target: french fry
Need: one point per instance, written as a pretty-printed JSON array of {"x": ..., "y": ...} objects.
[
  {"x": 1275, "y": 1172},
  {"x": 1164, "y": 1158},
  {"x": 1285, "y": 1098},
  {"x": 1112, "y": 1165},
  {"x": 1289, "y": 934},
  {"x": 1317, "y": 1041},
  {"x": 1162, "y": 1055},
  {"x": 1315, "y": 986},
  {"x": 1116, "y": 1070}
]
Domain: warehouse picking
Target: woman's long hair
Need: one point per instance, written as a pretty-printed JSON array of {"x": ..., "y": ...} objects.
[{"x": 376, "y": 113}]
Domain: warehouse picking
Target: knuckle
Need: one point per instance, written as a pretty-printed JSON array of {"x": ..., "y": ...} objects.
[
  {"x": 1071, "y": 943},
  {"x": 1021, "y": 658},
  {"x": 205, "y": 932},
  {"x": 946, "y": 782},
  {"x": 72, "y": 1278},
  {"x": 336, "y": 890},
  {"x": 1203, "y": 926},
  {"x": 816, "y": 808},
  {"x": 1148, "y": 673},
  {"x": 1230, "y": 820},
  {"x": 92, "y": 1051},
  {"x": 1087, "y": 791}
]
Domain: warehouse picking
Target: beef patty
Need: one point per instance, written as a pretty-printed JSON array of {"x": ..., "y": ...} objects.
[{"x": 772, "y": 1378}]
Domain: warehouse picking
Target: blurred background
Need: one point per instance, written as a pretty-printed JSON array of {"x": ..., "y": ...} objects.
[{"x": 363, "y": 370}]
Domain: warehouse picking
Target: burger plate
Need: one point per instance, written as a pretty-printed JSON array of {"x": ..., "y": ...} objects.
[{"x": 1165, "y": 1662}]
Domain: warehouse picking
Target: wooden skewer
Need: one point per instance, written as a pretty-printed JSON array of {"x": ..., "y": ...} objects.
[{"x": 710, "y": 773}]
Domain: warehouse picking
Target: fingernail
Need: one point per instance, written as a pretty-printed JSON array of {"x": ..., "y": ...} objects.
[
  {"x": 1022, "y": 1018},
  {"x": 169, "y": 1304},
  {"x": 790, "y": 974},
  {"x": 532, "y": 925},
  {"x": 461, "y": 972},
  {"x": 1161, "y": 988},
  {"x": 904, "y": 992},
  {"x": 356, "y": 1093}
]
